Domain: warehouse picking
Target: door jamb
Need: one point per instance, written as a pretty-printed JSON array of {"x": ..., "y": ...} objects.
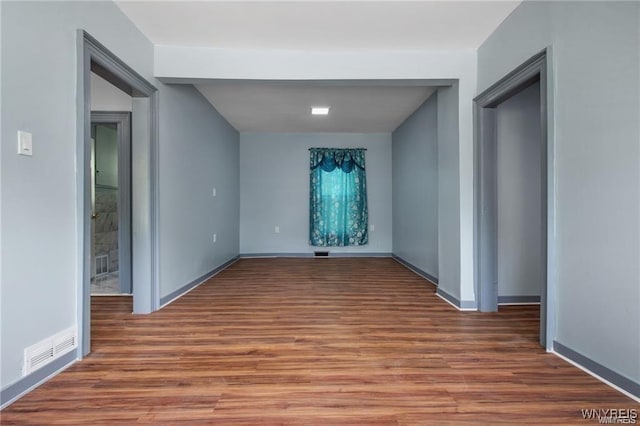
[
  {"x": 539, "y": 67},
  {"x": 95, "y": 57}
]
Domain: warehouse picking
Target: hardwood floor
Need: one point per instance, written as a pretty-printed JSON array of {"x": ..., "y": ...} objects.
[{"x": 315, "y": 341}]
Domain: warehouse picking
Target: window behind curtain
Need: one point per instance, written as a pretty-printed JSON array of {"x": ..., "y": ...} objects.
[{"x": 338, "y": 214}]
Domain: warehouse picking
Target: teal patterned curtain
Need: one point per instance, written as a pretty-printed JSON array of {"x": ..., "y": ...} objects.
[{"x": 338, "y": 214}]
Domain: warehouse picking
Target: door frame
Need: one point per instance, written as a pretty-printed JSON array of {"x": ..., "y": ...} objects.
[
  {"x": 94, "y": 57},
  {"x": 122, "y": 120},
  {"x": 537, "y": 68}
]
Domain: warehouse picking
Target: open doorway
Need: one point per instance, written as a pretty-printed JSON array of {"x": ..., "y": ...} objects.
[
  {"x": 95, "y": 58},
  {"x": 529, "y": 163},
  {"x": 110, "y": 203},
  {"x": 519, "y": 198}
]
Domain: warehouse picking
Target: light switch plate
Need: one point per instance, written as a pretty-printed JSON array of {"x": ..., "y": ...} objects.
[{"x": 25, "y": 143}]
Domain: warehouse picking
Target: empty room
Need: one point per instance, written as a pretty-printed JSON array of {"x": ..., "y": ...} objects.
[{"x": 319, "y": 212}]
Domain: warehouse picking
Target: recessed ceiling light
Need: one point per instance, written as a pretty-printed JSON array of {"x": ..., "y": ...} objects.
[{"x": 319, "y": 110}]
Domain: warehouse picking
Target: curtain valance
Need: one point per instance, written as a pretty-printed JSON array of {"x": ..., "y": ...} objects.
[
  {"x": 338, "y": 213},
  {"x": 328, "y": 159}
]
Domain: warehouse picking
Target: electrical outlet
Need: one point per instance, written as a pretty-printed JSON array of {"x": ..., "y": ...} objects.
[
  {"x": 277, "y": 230},
  {"x": 213, "y": 191},
  {"x": 372, "y": 228},
  {"x": 215, "y": 237}
]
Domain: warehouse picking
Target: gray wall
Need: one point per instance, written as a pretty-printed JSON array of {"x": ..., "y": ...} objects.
[
  {"x": 39, "y": 302},
  {"x": 415, "y": 188},
  {"x": 107, "y": 97},
  {"x": 519, "y": 189},
  {"x": 41, "y": 99},
  {"x": 597, "y": 165},
  {"x": 448, "y": 189},
  {"x": 199, "y": 150},
  {"x": 106, "y": 155},
  {"x": 274, "y": 190}
]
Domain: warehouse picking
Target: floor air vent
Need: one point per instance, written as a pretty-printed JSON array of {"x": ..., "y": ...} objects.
[
  {"x": 42, "y": 353},
  {"x": 320, "y": 254}
]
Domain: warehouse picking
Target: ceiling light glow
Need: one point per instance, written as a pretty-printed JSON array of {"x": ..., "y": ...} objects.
[{"x": 319, "y": 110}]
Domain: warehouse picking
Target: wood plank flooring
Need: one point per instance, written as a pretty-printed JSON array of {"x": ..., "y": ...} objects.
[{"x": 315, "y": 341}]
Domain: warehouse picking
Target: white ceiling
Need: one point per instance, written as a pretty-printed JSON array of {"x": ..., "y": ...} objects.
[
  {"x": 321, "y": 27},
  {"x": 281, "y": 108}
]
